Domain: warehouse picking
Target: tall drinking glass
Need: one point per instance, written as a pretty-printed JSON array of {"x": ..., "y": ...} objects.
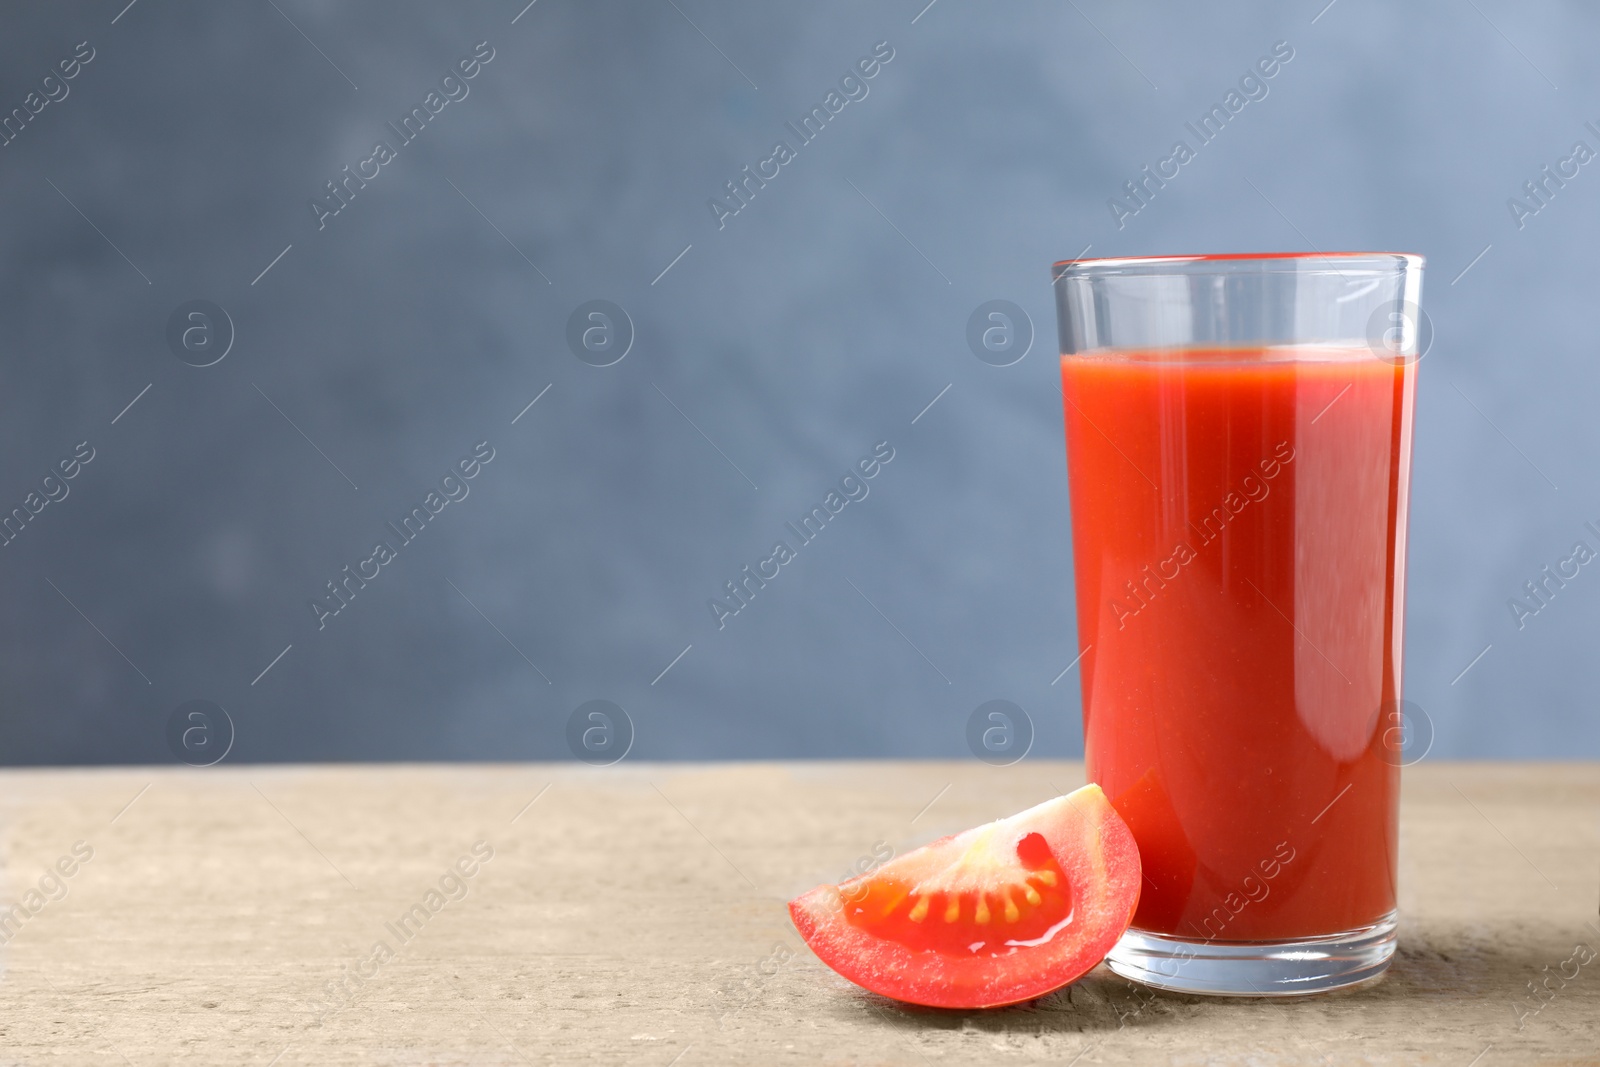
[{"x": 1239, "y": 453}]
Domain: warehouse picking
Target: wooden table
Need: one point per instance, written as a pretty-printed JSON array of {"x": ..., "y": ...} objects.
[{"x": 634, "y": 915}]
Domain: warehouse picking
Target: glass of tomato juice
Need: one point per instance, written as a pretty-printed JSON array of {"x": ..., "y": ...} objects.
[{"x": 1239, "y": 457}]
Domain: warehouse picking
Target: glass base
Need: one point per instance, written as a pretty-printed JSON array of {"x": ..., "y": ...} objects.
[{"x": 1256, "y": 968}]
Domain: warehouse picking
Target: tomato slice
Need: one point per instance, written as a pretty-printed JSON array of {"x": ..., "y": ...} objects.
[{"x": 995, "y": 915}]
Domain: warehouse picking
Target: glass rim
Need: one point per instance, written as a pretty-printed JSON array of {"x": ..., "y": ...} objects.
[{"x": 1179, "y": 263}]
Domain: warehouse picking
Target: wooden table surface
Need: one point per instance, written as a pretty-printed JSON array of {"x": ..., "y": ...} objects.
[{"x": 635, "y": 915}]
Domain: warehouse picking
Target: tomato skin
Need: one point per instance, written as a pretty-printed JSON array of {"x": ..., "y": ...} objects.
[{"x": 1089, "y": 843}]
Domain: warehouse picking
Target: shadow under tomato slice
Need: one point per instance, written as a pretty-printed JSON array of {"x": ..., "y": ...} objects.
[{"x": 998, "y": 914}]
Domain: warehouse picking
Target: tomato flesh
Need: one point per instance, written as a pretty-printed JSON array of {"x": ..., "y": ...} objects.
[
  {"x": 987, "y": 903},
  {"x": 998, "y": 914}
]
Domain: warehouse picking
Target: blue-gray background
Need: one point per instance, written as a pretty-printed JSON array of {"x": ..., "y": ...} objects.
[{"x": 820, "y": 320}]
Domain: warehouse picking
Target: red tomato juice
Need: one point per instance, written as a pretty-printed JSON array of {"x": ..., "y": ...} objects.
[{"x": 1239, "y": 528}]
